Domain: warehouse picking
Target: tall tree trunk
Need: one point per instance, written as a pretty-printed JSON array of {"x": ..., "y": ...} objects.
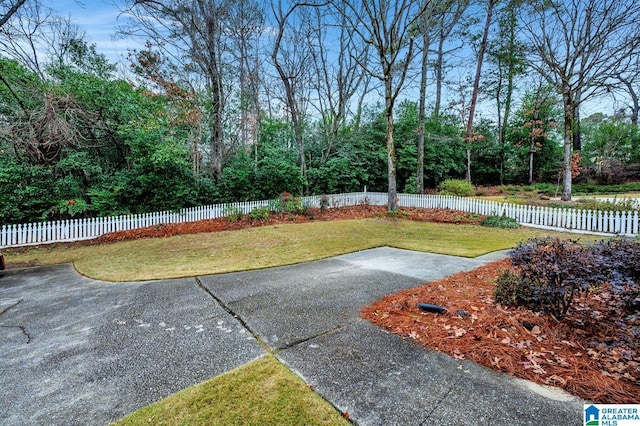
[
  {"x": 392, "y": 203},
  {"x": 635, "y": 108},
  {"x": 216, "y": 138},
  {"x": 422, "y": 115},
  {"x": 505, "y": 120},
  {"x": 289, "y": 88},
  {"x": 567, "y": 100},
  {"x": 577, "y": 133},
  {"x": 511, "y": 74},
  {"x": 532, "y": 145},
  {"x": 476, "y": 84},
  {"x": 438, "y": 77}
]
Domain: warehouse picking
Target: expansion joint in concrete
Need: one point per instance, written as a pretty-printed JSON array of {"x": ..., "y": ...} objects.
[
  {"x": 427, "y": 420},
  {"x": 231, "y": 312},
  {"x": 315, "y": 336}
]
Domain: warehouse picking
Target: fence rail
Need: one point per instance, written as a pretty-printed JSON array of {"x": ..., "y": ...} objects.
[{"x": 624, "y": 223}]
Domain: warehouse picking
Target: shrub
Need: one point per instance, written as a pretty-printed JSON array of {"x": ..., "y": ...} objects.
[
  {"x": 617, "y": 205},
  {"x": 549, "y": 189},
  {"x": 622, "y": 255},
  {"x": 287, "y": 203},
  {"x": 458, "y": 187},
  {"x": 411, "y": 186},
  {"x": 554, "y": 271},
  {"x": 66, "y": 209},
  {"x": 324, "y": 202},
  {"x": 500, "y": 222},
  {"x": 260, "y": 213},
  {"x": 510, "y": 290},
  {"x": 232, "y": 213}
]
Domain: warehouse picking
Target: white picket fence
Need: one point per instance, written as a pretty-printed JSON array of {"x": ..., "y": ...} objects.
[{"x": 623, "y": 223}]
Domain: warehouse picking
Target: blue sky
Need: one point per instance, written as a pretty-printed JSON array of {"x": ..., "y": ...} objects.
[{"x": 98, "y": 18}]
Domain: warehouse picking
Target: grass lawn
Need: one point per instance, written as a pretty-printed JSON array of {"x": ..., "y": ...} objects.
[
  {"x": 264, "y": 392},
  {"x": 262, "y": 247}
]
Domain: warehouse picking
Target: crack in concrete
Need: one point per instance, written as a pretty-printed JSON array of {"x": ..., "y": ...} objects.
[
  {"x": 315, "y": 336},
  {"x": 12, "y": 306},
  {"x": 231, "y": 312},
  {"x": 264, "y": 344},
  {"x": 23, "y": 329},
  {"x": 437, "y": 404}
]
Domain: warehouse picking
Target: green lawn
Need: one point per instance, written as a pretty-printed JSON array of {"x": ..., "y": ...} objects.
[
  {"x": 254, "y": 248},
  {"x": 263, "y": 392}
]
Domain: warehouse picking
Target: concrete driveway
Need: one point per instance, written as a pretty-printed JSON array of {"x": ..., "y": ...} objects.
[{"x": 79, "y": 351}]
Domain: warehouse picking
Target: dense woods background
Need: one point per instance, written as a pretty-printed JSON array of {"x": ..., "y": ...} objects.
[{"x": 233, "y": 100}]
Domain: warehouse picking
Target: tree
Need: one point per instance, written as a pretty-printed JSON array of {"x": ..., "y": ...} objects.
[
  {"x": 41, "y": 120},
  {"x": 506, "y": 54},
  {"x": 627, "y": 81},
  {"x": 611, "y": 146},
  {"x": 194, "y": 34},
  {"x": 246, "y": 28},
  {"x": 426, "y": 28},
  {"x": 578, "y": 46},
  {"x": 535, "y": 124},
  {"x": 447, "y": 15},
  {"x": 388, "y": 26},
  {"x": 338, "y": 79},
  {"x": 37, "y": 37},
  {"x": 293, "y": 67},
  {"x": 470, "y": 136}
]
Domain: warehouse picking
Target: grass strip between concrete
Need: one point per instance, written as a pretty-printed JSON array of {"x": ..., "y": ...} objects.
[{"x": 263, "y": 392}]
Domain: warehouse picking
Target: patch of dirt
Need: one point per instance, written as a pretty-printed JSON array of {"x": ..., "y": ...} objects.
[
  {"x": 592, "y": 354},
  {"x": 342, "y": 213}
]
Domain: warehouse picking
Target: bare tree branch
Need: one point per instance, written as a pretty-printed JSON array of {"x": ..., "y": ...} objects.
[{"x": 11, "y": 11}]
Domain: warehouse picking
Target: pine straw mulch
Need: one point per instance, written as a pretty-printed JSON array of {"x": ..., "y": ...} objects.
[
  {"x": 591, "y": 354},
  {"x": 340, "y": 213}
]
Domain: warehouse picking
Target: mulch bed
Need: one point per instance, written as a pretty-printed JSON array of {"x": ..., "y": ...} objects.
[{"x": 592, "y": 353}]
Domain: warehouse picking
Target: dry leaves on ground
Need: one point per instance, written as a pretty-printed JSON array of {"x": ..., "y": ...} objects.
[{"x": 591, "y": 354}]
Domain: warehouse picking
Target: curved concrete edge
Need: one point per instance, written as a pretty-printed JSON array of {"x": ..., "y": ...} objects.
[{"x": 494, "y": 256}]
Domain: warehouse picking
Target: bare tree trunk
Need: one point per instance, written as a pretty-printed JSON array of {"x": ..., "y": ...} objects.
[
  {"x": 217, "y": 152},
  {"x": 439, "y": 72},
  {"x": 577, "y": 133},
  {"x": 363, "y": 93},
  {"x": 422, "y": 115},
  {"x": 391, "y": 152},
  {"x": 531, "y": 154},
  {"x": 635, "y": 107},
  {"x": 476, "y": 84},
  {"x": 212, "y": 62},
  {"x": 532, "y": 142},
  {"x": 289, "y": 83},
  {"x": 567, "y": 100}
]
